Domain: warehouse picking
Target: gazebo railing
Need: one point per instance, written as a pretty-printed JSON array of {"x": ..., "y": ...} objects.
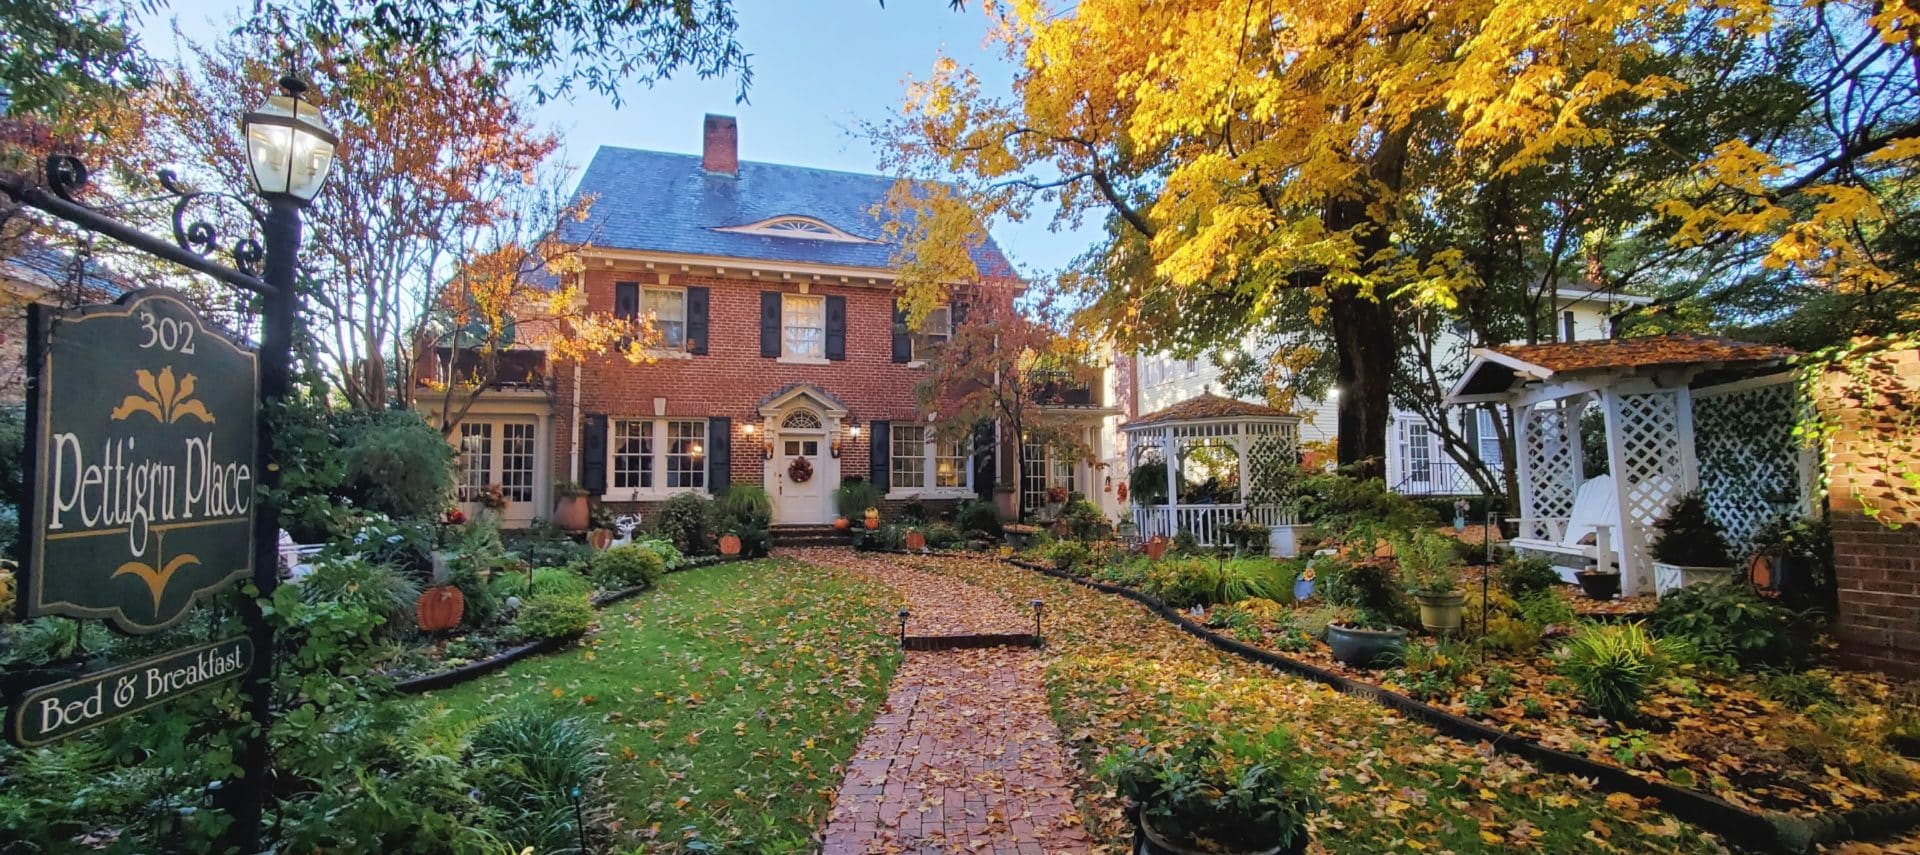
[{"x": 1205, "y": 522}]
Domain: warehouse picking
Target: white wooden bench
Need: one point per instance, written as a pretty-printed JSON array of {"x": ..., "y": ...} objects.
[
  {"x": 1586, "y": 535},
  {"x": 296, "y": 559}
]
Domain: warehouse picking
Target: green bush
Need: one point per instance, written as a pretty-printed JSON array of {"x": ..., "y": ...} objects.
[
  {"x": 943, "y": 536},
  {"x": 670, "y": 557},
  {"x": 1687, "y": 536},
  {"x": 527, "y": 765},
  {"x": 686, "y": 520},
  {"x": 1336, "y": 505},
  {"x": 854, "y": 497},
  {"x": 1428, "y": 563},
  {"x": 626, "y": 566},
  {"x": 554, "y": 614},
  {"x": 1611, "y": 666},
  {"x": 1730, "y": 623},
  {"x": 1066, "y": 554},
  {"x": 354, "y": 582},
  {"x": 978, "y": 516},
  {"x": 1243, "y": 793},
  {"x": 545, "y": 545},
  {"x": 1524, "y": 576},
  {"x": 1369, "y": 587},
  {"x": 1084, "y": 521},
  {"x": 396, "y": 464},
  {"x": 559, "y": 580},
  {"x": 1187, "y": 582},
  {"x": 480, "y": 602},
  {"x": 746, "y": 511}
]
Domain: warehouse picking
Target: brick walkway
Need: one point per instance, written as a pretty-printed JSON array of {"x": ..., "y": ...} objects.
[{"x": 964, "y": 757}]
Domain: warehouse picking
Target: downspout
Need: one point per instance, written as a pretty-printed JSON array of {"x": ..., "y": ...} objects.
[{"x": 573, "y": 444}]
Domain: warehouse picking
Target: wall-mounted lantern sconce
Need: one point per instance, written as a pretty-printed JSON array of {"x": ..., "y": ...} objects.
[
  {"x": 752, "y": 430},
  {"x": 852, "y": 430}
]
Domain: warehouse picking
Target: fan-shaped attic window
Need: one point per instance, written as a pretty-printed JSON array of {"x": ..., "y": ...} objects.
[{"x": 806, "y": 228}]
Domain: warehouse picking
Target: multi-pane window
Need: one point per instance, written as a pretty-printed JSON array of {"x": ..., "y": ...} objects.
[
  {"x": 686, "y": 454},
  {"x": 1043, "y": 467},
  {"x": 804, "y": 325},
  {"x": 668, "y": 308},
  {"x": 949, "y": 464},
  {"x": 936, "y": 330},
  {"x": 516, "y": 461},
  {"x": 476, "y": 456},
  {"x": 1489, "y": 440},
  {"x": 1419, "y": 452},
  {"x": 633, "y": 455},
  {"x": 909, "y": 457}
]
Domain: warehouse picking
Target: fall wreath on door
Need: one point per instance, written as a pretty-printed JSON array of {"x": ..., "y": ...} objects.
[{"x": 800, "y": 471}]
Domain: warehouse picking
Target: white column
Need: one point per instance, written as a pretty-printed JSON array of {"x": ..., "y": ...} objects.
[{"x": 1635, "y": 576}]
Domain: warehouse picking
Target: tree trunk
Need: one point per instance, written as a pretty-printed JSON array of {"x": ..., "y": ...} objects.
[{"x": 1364, "y": 345}]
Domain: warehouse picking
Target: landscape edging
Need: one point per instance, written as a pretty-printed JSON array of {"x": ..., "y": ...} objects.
[
  {"x": 1771, "y": 831},
  {"x": 479, "y": 668}
]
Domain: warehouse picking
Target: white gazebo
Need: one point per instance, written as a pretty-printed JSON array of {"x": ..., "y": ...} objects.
[
  {"x": 1680, "y": 413},
  {"x": 1226, "y": 461}
]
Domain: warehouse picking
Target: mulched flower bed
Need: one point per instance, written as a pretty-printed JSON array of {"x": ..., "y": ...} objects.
[{"x": 1756, "y": 741}]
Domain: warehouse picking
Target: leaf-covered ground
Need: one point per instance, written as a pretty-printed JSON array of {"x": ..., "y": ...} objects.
[
  {"x": 1119, "y": 676},
  {"x": 730, "y": 699}
]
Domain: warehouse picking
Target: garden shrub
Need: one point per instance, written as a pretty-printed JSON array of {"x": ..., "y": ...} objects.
[
  {"x": 1430, "y": 671},
  {"x": 854, "y": 496},
  {"x": 1524, "y": 576},
  {"x": 978, "y": 516},
  {"x": 1734, "y": 628},
  {"x": 1687, "y": 536},
  {"x": 1338, "y": 504},
  {"x": 561, "y": 580},
  {"x": 943, "y": 536},
  {"x": 1131, "y": 573},
  {"x": 545, "y": 545},
  {"x": 1611, "y": 666},
  {"x": 527, "y": 764},
  {"x": 481, "y": 602},
  {"x": 687, "y": 521},
  {"x": 627, "y": 566},
  {"x": 746, "y": 511},
  {"x": 1067, "y": 555},
  {"x": 1370, "y": 587},
  {"x": 396, "y": 464},
  {"x": 380, "y": 539},
  {"x": 356, "y": 582},
  {"x": 670, "y": 556},
  {"x": 555, "y": 614},
  {"x": 1241, "y": 792},
  {"x": 1083, "y": 521}
]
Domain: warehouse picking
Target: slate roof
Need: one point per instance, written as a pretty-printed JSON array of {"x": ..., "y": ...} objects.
[
  {"x": 1642, "y": 352},
  {"x": 37, "y": 262},
  {"x": 1209, "y": 406},
  {"x": 661, "y": 202}
]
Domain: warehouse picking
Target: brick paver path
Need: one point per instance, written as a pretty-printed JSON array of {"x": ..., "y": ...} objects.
[{"x": 964, "y": 757}]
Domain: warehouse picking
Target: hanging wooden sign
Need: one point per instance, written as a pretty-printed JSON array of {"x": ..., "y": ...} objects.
[
  {"x": 141, "y": 459},
  {"x": 62, "y": 709}
]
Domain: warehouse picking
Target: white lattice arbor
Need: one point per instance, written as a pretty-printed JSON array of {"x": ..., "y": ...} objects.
[
  {"x": 1265, "y": 446},
  {"x": 1680, "y": 413}
]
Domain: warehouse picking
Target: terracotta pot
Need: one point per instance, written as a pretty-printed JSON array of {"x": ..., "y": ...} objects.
[
  {"x": 842, "y": 523},
  {"x": 730, "y": 545},
  {"x": 1156, "y": 547},
  {"x": 570, "y": 513},
  {"x": 916, "y": 540},
  {"x": 439, "y": 608}
]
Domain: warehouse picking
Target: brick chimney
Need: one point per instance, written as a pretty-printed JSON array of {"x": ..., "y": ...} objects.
[{"x": 720, "y": 153}]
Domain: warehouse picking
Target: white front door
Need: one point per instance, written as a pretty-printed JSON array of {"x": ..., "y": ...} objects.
[{"x": 800, "y": 495}]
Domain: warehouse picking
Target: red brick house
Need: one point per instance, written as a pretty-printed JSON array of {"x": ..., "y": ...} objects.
[{"x": 783, "y": 359}]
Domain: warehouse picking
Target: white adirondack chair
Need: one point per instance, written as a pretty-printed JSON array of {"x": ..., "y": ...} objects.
[
  {"x": 1595, "y": 512},
  {"x": 296, "y": 559}
]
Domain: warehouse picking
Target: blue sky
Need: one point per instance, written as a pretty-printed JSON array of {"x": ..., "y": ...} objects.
[{"x": 820, "y": 69}]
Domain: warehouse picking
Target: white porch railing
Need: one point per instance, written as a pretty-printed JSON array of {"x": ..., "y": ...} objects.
[{"x": 1205, "y": 522}]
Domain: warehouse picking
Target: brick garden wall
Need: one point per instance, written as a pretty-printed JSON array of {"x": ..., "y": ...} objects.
[{"x": 1877, "y": 567}]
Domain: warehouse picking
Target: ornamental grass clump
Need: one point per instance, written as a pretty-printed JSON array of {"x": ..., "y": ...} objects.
[
  {"x": 1612, "y": 666},
  {"x": 540, "y": 775}
]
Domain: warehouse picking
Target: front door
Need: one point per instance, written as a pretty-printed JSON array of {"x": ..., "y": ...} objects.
[
  {"x": 800, "y": 495},
  {"x": 497, "y": 463}
]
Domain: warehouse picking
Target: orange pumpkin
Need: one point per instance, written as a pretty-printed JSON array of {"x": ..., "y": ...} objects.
[
  {"x": 730, "y": 544},
  {"x": 440, "y": 608},
  {"x": 842, "y": 523},
  {"x": 1156, "y": 547},
  {"x": 916, "y": 540}
]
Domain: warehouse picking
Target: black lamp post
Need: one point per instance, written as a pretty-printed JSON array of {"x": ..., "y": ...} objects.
[
  {"x": 1037, "y": 606},
  {"x": 903, "y": 629},
  {"x": 289, "y": 153}
]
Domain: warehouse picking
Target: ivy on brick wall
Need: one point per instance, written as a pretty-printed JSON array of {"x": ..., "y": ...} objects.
[{"x": 1867, "y": 424}]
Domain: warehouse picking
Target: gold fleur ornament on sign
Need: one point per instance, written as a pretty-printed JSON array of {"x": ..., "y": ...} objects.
[{"x": 167, "y": 401}]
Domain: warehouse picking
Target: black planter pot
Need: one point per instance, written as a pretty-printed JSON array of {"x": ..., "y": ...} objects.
[
  {"x": 1146, "y": 841},
  {"x": 1599, "y": 586},
  {"x": 1363, "y": 648}
]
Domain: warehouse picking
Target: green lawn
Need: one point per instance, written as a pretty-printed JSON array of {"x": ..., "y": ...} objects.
[{"x": 728, "y": 697}]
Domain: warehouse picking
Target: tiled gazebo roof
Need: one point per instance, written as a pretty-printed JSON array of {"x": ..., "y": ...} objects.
[
  {"x": 1209, "y": 406},
  {"x": 1646, "y": 351}
]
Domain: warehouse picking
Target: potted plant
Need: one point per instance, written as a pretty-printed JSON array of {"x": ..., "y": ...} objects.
[
  {"x": 1598, "y": 584},
  {"x": 570, "y": 511},
  {"x": 1247, "y": 797},
  {"x": 1688, "y": 548},
  {"x": 873, "y": 518},
  {"x": 1018, "y": 536},
  {"x": 1363, "y": 639},
  {"x": 1247, "y": 535},
  {"x": 1303, "y": 584},
  {"x": 1429, "y": 567},
  {"x": 1793, "y": 561}
]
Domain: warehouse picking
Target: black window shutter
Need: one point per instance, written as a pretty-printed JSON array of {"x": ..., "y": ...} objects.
[
  {"x": 719, "y": 454},
  {"x": 837, "y": 328},
  {"x": 626, "y": 300},
  {"x": 902, "y": 337},
  {"x": 593, "y": 453},
  {"x": 770, "y": 324},
  {"x": 880, "y": 472},
  {"x": 983, "y": 468},
  {"x": 697, "y": 321},
  {"x": 959, "y": 314},
  {"x": 1470, "y": 422}
]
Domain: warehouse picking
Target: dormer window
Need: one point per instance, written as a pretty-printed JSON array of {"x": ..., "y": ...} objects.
[{"x": 805, "y": 228}]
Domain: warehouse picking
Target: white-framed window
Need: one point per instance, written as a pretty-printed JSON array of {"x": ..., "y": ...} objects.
[
  {"x": 803, "y": 321},
  {"x": 935, "y": 331},
  {"x": 1043, "y": 467},
  {"x": 919, "y": 461},
  {"x": 1489, "y": 440},
  {"x": 632, "y": 455},
  {"x": 686, "y": 454},
  {"x": 1417, "y": 451},
  {"x": 476, "y": 459},
  {"x": 516, "y": 461},
  {"x": 657, "y": 455},
  {"x": 668, "y": 308}
]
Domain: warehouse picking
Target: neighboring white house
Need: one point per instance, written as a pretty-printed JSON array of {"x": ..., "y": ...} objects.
[{"x": 1417, "y": 462}]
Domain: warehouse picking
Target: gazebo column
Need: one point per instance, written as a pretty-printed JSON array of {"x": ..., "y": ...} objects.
[
  {"x": 1636, "y": 576},
  {"x": 1173, "y": 481}
]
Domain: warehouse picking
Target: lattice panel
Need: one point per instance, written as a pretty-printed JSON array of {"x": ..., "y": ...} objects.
[
  {"x": 1750, "y": 462},
  {"x": 1271, "y": 461},
  {"x": 1655, "y": 463},
  {"x": 1549, "y": 439}
]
